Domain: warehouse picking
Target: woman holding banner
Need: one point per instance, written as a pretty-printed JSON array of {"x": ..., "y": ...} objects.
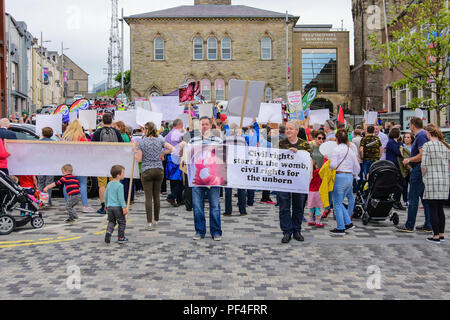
[{"x": 291, "y": 219}]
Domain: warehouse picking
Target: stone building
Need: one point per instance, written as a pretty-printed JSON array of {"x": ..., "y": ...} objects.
[
  {"x": 369, "y": 18},
  {"x": 77, "y": 79}
]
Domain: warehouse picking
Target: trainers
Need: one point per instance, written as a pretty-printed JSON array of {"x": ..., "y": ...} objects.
[
  {"x": 197, "y": 237},
  {"x": 149, "y": 227},
  {"x": 108, "y": 238},
  {"x": 122, "y": 240},
  {"x": 298, "y": 236},
  {"x": 404, "y": 229},
  {"x": 442, "y": 239},
  {"x": 270, "y": 202},
  {"x": 337, "y": 232},
  {"x": 156, "y": 224},
  {"x": 243, "y": 214},
  {"x": 88, "y": 210},
  {"x": 70, "y": 220},
  {"x": 350, "y": 226},
  {"x": 423, "y": 229},
  {"x": 326, "y": 213},
  {"x": 286, "y": 238},
  {"x": 433, "y": 240},
  {"x": 217, "y": 238},
  {"x": 320, "y": 225},
  {"x": 311, "y": 223},
  {"x": 101, "y": 211}
]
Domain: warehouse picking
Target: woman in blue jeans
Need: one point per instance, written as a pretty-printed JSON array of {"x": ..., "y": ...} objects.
[{"x": 346, "y": 163}]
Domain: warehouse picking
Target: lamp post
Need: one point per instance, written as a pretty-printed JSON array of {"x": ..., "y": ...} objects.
[
  {"x": 63, "y": 86},
  {"x": 42, "y": 70}
]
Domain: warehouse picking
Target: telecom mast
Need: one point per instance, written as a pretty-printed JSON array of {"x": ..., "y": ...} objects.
[{"x": 114, "y": 51}]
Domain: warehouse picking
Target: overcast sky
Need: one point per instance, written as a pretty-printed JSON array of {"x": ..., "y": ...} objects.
[{"x": 83, "y": 25}]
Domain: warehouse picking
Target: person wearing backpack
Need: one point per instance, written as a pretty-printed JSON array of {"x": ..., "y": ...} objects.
[{"x": 105, "y": 134}]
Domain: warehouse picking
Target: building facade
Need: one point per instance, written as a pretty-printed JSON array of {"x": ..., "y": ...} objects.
[{"x": 77, "y": 79}]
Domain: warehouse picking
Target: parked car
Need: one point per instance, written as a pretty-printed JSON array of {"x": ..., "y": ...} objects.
[{"x": 28, "y": 132}]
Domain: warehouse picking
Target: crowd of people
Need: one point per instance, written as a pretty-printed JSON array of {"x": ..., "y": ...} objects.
[{"x": 422, "y": 156}]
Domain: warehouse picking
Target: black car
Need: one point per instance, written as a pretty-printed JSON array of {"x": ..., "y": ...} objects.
[{"x": 28, "y": 132}]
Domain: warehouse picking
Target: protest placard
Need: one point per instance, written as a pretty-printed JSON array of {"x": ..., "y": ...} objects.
[
  {"x": 88, "y": 119},
  {"x": 169, "y": 106},
  {"x": 144, "y": 116},
  {"x": 53, "y": 121},
  {"x": 253, "y": 90},
  {"x": 127, "y": 117},
  {"x": 370, "y": 117},
  {"x": 237, "y": 120},
  {"x": 319, "y": 116},
  {"x": 295, "y": 97},
  {"x": 73, "y": 116},
  {"x": 270, "y": 112},
  {"x": 205, "y": 110}
]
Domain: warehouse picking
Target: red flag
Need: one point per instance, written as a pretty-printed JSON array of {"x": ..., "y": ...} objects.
[{"x": 341, "y": 117}]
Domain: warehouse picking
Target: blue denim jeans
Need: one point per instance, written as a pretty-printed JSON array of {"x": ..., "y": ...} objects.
[
  {"x": 366, "y": 167},
  {"x": 83, "y": 190},
  {"x": 198, "y": 200},
  {"x": 292, "y": 206},
  {"x": 229, "y": 201},
  {"x": 343, "y": 187},
  {"x": 415, "y": 192},
  {"x": 250, "y": 197}
]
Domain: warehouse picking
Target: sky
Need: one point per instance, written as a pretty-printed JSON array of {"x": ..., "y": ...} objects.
[{"x": 83, "y": 25}]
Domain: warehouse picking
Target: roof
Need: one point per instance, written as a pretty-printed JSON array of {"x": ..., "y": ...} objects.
[{"x": 211, "y": 11}]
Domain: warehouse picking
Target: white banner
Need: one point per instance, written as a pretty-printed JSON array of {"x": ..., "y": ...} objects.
[
  {"x": 371, "y": 117},
  {"x": 319, "y": 116},
  {"x": 53, "y": 121},
  {"x": 255, "y": 95},
  {"x": 249, "y": 168},
  {"x": 88, "y": 159},
  {"x": 88, "y": 119},
  {"x": 168, "y": 106},
  {"x": 295, "y": 97},
  {"x": 127, "y": 117},
  {"x": 270, "y": 112},
  {"x": 205, "y": 110},
  {"x": 144, "y": 116}
]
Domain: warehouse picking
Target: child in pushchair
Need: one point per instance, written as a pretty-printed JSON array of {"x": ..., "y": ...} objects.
[{"x": 12, "y": 198}]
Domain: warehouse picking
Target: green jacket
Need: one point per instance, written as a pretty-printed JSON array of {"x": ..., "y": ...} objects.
[{"x": 405, "y": 155}]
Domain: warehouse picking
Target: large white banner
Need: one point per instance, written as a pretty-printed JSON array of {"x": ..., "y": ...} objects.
[
  {"x": 270, "y": 112},
  {"x": 88, "y": 119},
  {"x": 88, "y": 159},
  {"x": 127, "y": 117},
  {"x": 319, "y": 116},
  {"x": 143, "y": 116},
  {"x": 53, "y": 121},
  {"x": 168, "y": 106},
  {"x": 249, "y": 168}
]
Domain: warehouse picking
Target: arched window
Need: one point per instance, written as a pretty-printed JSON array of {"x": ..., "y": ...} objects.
[
  {"x": 226, "y": 48},
  {"x": 198, "y": 49},
  {"x": 71, "y": 74},
  {"x": 159, "y": 49},
  {"x": 266, "y": 48},
  {"x": 212, "y": 48},
  {"x": 206, "y": 89},
  {"x": 268, "y": 94},
  {"x": 154, "y": 94},
  {"x": 76, "y": 87},
  {"x": 219, "y": 85}
]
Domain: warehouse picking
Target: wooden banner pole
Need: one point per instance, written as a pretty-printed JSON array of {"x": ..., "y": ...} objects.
[
  {"x": 131, "y": 186},
  {"x": 190, "y": 116},
  {"x": 244, "y": 104}
]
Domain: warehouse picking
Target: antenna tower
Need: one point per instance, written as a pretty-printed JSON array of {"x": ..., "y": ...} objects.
[{"x": 114, "y": 50}]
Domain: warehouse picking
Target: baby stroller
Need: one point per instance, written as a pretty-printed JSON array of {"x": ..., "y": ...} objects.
[
  {"x": 384, "y": 190},
  {"x": 11, "y": 197}
]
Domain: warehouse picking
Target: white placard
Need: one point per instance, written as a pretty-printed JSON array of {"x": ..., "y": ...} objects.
[
  {"x": 371, "y": 117},
  {"x": 144, "y": 116},
  {"x": 255, "y": 96},
  {"x": 142, "y": 103},
  {"x": 205, "y": 110},
  {"x": 127, "y": 117},
  {"x": 88, "y": 119},
  {"x": 237, "y": 120},
  {"x": 73, "y": 116},
  {"x": 295, "y": 97},
  {"x": 168, "y": 106},
  {"x": 87, "y": 159},
  {"x": 53, "y": 121},
  {"x": 270, "y": 112},
  {"x": 319, "y": 116}
]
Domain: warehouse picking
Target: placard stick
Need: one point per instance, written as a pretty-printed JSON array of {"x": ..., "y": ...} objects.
[
  {"x": 143, "y": 104},
  {"x": 244, "y": 104},
  {"x": 130, "y": 187},
  {"x": 296, "y": 112},
  {"x": 150, "y": 103},
  {"x": 190, "y": 116}
]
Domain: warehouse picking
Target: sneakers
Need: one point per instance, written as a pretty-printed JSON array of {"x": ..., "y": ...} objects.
[
  {"x": 433, "y": 240},
  {"x": 88, "y": 210},
  {"x": 156, "y": 224},
  {"x": 270, "y": 202},
  {"x": 217, "y": 238},
  {"x": 149, "y": 227},
  {"x": 286, "y": 238},
  {"x": 319, "y": 225},
  {"x": 442, "y": 239},
  {"x": 122, "y": 240},
  {"x": 101, "y": 211},
  {"x": 71, "y": 220},
  {"x": 243, "y": 214},
  {"x": 350, "y": 227},
  {"x": 404, "y": 229},
  {"x": 108, "y": 238},
  {"x": 326, "y": 213},
  {"x": 311, "y": 223},
  {"x": 172, "y": 202},
  {"x": 337, "y": 232},
  {"x": 197, "y": 237},
  {"x": 423, "y": 229},
  {"x": 398, "y": 206},
  {"x": 298, "y": 236}
]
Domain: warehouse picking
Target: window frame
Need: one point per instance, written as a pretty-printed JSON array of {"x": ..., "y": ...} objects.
[
  {"x": 270, "y": 48},
  {"x": 222, "y": 48},
  {"x": 155, "y": 48},
  {"x": 193, "y": 48},
  {"x": 216, "y": 48}
]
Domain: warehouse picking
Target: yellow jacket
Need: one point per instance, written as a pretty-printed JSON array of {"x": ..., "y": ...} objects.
[{"x": 327, "y": 185}]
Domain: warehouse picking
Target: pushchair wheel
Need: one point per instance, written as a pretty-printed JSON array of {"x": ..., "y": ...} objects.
[
  {"x": 7, "y": 224},
  {"x": 37, "y": 222},
  {"x": 395, "y": 219},
  {"x": 358, "y": 212},
  {"x": 365, "y": 219}
]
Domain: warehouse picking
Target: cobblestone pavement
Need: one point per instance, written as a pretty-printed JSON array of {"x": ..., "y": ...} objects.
[{"x": 250, "y": 262}]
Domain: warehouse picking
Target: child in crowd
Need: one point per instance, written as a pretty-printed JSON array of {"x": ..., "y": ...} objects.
[
  {"x": 29, "y": 184},
  {"x": 115, "y": 205},
  {"x": 47, "y": 134},
  {"x": 73, "y": 191},
  {"x": 314, "y": 201}
]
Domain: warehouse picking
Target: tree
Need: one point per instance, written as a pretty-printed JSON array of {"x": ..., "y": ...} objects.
[
  {"x": 126, "y": 81},
  {"x": 418, "y": 48}
]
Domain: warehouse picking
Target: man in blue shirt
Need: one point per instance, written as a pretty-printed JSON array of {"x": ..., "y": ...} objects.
[
  {"x": 5, "y": 133},
  {"x": 417, "y": 187}
]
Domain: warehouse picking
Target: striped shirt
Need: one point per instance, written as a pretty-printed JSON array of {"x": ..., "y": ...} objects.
[{"x": 71, "y": 183}]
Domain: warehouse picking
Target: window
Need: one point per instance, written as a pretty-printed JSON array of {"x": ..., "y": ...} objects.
[
  {"x": 220, "y": 89},
  {"x": 319, "y": 69},
  {"x": 402, "y": 97},
  {"x": 154, "y": 94},
  {"x": 266, "y": 48},
  {"x": 226, "y": 48},
  {"x": 71, "y": 74},
  {"x": 206, "y": 89},
  {"x": 198, "y": 49},
  {"x": 159, "y": 49},
  {"x": 393, "y": 100},
  {"x": 76, "y": 87},
  {"x": 268, "y": 94},
  {"x": 212, "y": 48}
]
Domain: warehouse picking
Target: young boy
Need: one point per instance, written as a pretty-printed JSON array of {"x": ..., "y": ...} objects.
[
  {"x": 73, "y": 191},
  {"x": 115, "y": 205}
]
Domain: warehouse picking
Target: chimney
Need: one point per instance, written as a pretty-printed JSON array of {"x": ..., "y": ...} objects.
[{"x": 216, "y": 2}]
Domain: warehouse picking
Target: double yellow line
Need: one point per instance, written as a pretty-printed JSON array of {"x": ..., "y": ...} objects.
[{"x": 24, "y": 243}]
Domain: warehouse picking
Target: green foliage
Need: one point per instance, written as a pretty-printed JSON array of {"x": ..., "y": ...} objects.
[
  {"x": 110, "y": 93},
  {"x": 418, "y": 48},
  {"x": 126, "y": 81}
]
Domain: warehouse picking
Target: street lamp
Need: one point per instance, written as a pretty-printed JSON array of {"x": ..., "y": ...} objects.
[
  {"x": 42, "y": 69},
  {"x": 63, "y": 86}
]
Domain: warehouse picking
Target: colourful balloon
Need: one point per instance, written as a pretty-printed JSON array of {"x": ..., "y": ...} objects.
[{"x": 82, "y": 104}]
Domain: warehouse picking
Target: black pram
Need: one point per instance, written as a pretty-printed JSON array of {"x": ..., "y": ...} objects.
[
  {"x": 11, "y": 197},
  {"x": 384, "y": 190}
]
